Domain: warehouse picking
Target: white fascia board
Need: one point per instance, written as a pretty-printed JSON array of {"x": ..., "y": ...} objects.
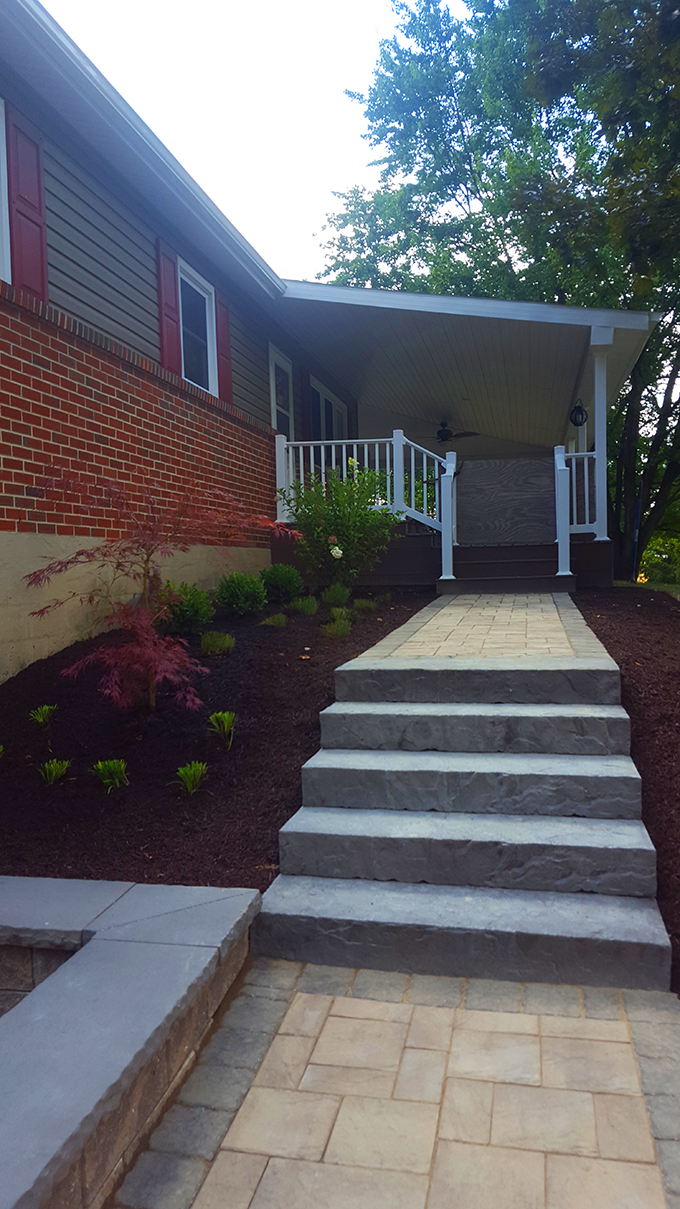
[
  {"x": 477, "y": 308},
  {"x": 47, "y": 46}
]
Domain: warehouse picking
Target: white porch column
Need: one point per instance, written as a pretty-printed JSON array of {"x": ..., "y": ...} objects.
[
  {"x": 282, "y": 513},
  {"x": 398, "y": 502},
  {"x": 600, "y": 338},
  {"x": 448, "y": 513}
]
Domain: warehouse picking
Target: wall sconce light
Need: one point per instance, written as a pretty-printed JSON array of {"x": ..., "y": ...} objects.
[{"x": 579, "y": 415}]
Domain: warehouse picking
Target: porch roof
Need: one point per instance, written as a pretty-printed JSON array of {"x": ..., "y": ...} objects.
[{"x": 510, "y": 371}]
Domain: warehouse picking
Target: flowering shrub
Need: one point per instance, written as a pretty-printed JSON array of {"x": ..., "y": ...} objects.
[{"x": 344, "y": 531}]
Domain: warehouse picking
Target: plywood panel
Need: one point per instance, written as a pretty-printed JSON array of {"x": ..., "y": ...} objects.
[{"x": 506, "y": 502}]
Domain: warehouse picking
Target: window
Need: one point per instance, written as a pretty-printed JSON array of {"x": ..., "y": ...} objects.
[
  {"x": 329, "y": 414},
  {"x": 197, "y": 326},
  {"x": 5, "y": 257},
  {"x": 281, "y": 392}
]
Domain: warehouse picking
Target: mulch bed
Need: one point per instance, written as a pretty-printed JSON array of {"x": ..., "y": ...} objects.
[
  {"x": 276, "y": 680},
  {"x": 641, "y": 631}
]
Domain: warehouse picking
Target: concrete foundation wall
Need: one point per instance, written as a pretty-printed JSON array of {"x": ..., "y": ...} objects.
[{"x": 23, "y": 638}]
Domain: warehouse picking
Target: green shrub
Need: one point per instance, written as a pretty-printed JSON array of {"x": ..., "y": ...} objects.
[
  {"x": 282, "y": 582},
  {"x": 241, "y": 593},
  {"x": 111, "y": 773},
  {"x": 336, "y": 629},
  {"x": 276, "y": 619},
  {"x": 344, "y": 527},
  {"x": 1, "y": 749},
  {"x": 214, "y": 643},
  {"x": 341, "y": 614},
  {"x": 222, "y": 723},
  {"x": 42, "y": 715},
  {"x": 335, "y": 594},
  {"x": 193, "y": 610},
  {"x": 660, "y": 562},
  {"x": 305, "y": 604},
  {"x": 191, "y": 776},
  {"x": 364, "y": 606},
  {"x": 53, "y": 770}
]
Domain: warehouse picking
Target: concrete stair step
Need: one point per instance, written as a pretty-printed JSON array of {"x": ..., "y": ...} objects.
[
  {"x": 597, "y": 856},
  {"x": 464, "y": 585},
  {"x": 522, "y": 935},
  {"x": 526, "y": 680},
  {"x": 491, "y": 783},
  {"x": 562, "y": 729}
]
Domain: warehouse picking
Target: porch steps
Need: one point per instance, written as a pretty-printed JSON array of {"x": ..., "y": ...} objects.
[
  {"x": 472, "y": 817},
  {"x": 505, "y": 569}
]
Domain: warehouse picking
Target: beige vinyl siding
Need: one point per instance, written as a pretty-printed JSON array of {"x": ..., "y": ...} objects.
[
  {"x": 101, "y": 259},
  {"x": 249, "y": 363}
]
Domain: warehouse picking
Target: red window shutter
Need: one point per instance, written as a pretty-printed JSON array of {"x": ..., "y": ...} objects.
[
  {"x": 26, "y": 208},
  {"x": 225, "y": 387},
  {"x": 168, "y": 306}
]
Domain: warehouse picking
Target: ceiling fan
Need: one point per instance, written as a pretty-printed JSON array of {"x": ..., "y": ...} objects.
[{"x": 444, "y": 434}]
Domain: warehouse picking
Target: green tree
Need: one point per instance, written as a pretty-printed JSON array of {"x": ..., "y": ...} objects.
[{"x": 518, "y": 149}]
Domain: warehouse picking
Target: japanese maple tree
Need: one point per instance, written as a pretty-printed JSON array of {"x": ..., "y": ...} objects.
[{"x": 129, "y": 592}]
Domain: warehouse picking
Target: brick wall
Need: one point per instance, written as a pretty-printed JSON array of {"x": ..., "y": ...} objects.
[{"x": 75, "y": 403}]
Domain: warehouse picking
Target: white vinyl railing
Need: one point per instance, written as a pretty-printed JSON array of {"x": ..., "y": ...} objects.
[
  {"x": 582, "y": 511},
  {"x": 411, "y": 480}
]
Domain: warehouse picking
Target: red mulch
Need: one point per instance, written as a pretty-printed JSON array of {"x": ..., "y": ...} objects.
[
  {"x": 227, "y": 834},
  {"x": 641, "y": 631},
  {"x": 276, "y": 680}
]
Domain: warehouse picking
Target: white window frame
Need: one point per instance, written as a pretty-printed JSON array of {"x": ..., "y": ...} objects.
[
  {"x": 186, "y": 273},
  {"x": 276, "y": 357},
  {"x": 5, "y": 248},
  {"x": 325, "y": 393}
]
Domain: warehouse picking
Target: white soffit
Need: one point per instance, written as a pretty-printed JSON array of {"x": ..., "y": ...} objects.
[{"x": 511, "y": 370}]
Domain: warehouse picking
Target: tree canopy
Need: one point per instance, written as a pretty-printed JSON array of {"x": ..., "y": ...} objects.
[{"x": 531, "y": 152}]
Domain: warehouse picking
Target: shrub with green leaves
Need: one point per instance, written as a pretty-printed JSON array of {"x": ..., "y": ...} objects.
[
  {"x": 336, "y": 629},
  {"x": 1, "y": 750},
  {"x": 42, "y": 715},
  {"x": 335, "y": 594},
  {"x": 214, "y": 643},
  {"x": 111, "y": 773},
  {"x": 191, "y": 776},
  {"x": 222, "y": 723},
  {"x": 340, "y": 516},
  {"x": 341, "y": 614},
  {"x": 192, "y": 610},
  {"x": 304, "y": 604},
  {"x": 241, "y": 593},
  {"x": 362, "y": 605},
  {"x": 53, "y": 770},
  {"x": 276, "y": 619},
  {"x": 282, "y": 582}
]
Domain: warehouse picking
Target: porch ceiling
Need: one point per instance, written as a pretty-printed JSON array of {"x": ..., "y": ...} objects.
[{"x": 511, "y": 371}]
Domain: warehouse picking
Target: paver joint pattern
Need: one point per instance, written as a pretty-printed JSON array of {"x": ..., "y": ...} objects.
[{"x": 379, "y": 1090}]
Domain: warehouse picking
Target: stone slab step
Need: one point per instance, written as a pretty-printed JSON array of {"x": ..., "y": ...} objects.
[
  {"x": 598, "y": 856},
  {"x": 537, "y": 680},
  {"x": 520, "y": 935},
  {"x": 415, "y": 726},
  {"x": 605, "y": 787}
]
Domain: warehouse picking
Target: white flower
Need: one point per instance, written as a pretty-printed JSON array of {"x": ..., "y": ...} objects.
[{"x": 336, "y": 552}]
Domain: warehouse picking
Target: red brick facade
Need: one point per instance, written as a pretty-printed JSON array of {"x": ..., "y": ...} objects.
[{"x": 76, "y": 404}]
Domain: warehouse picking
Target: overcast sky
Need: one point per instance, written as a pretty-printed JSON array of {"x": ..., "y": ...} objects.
[{"x": 250, "y": 98}]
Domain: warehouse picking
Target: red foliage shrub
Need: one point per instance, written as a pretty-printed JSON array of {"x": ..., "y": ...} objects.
[{"x": 153, "y": 529}]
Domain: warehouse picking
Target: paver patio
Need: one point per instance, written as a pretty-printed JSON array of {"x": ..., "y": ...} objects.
[{"x": 364, "y": 1089}]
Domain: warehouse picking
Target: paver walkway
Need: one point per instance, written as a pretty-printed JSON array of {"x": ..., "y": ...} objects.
[
  {"x": 492, "y": 627},
  {"x": 329, "y": 1088}
]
